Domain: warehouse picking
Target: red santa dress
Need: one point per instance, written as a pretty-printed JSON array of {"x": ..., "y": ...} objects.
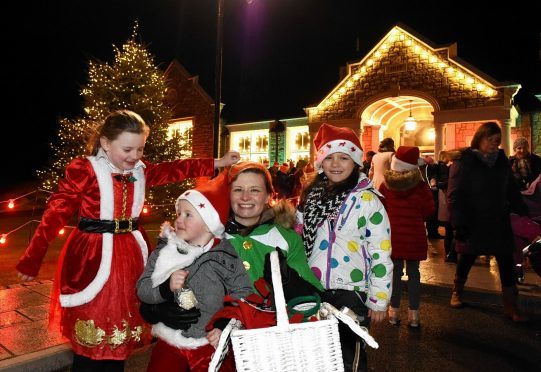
[{"x": 97, "y": 271}]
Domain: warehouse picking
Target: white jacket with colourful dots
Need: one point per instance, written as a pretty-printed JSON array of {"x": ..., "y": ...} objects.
[{"x": 356, "y": 255}]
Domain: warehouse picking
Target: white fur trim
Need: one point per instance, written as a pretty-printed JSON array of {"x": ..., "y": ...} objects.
[
  {"x": 273, "y": 238},
  {"x": 138, "y": 191},
  {"x": 345, "y": 146},
  {"x": 205, "y": 209},
  {"x": 96, "y": 285},
  {"x": 170, "y": 259},
  {"x": 175, "y": 338},
  {"x": 401, "y": 166},
  {"x": 142, "y": 244},
  {"x": 105, "y": 184}
]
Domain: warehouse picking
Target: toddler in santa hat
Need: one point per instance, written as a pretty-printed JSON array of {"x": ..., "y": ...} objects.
[
  {"x": 346, "y": 236},
  {"x": 409, "y": 203},
  {"x": 187, "y": 277}
]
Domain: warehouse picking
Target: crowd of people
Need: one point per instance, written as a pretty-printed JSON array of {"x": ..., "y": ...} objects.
[{"x": 345, "y": 229}]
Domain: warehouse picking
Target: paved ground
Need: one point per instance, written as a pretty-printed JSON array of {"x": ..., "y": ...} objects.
[{"x": 27, "y": 345}]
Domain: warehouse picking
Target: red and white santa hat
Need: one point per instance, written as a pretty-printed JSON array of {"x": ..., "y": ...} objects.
[
  {"x": 330, "y": 139},
  {"x": 211, "y": 200},
  {"x": 406, "y": 158}
]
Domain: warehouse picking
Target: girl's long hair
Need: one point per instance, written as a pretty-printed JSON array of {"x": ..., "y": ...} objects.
[{"x": 115, "y": 124}]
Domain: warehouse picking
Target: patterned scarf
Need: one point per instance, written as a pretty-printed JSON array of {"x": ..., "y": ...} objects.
[
  {"x": 321, "y": 204},
  {"x": 489, "y": 159},
  {"x": 522, "y": 171}
]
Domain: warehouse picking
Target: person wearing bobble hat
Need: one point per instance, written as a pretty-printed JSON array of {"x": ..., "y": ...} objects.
[
  {"x": 347, "y": 237},
  {"x": 409, "y": 203},
  {"x": 525, "y": 166},
  {"x": 192, "y": 269}
]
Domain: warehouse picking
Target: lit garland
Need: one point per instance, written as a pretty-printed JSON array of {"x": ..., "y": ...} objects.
[
  {"x": 11, "y": 202},
  {"x": 11, "y": 206},
  {"x": 146, "y": 209},
  {"x": 451, "y": 70}
]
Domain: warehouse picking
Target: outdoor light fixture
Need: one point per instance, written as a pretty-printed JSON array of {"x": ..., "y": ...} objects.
[{"x": 410, "y": 124}]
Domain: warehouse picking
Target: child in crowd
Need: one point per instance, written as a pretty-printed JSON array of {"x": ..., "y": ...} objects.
[
  {"x": 409, "y": 203},
  {"x": 381, "y": 162},
  {"x": 346, "y": 236},
  {"x": 195, "y": 267},
  {"x": 105, "y": 255}
]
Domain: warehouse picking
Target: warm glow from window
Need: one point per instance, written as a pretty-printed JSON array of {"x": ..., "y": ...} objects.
[
  {"x": 179, "y": 128},
  {"x": 252, "y": 145},
  {"x": 298, "y": 143}
]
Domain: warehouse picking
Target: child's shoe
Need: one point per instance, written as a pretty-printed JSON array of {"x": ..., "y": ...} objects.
[
  {"x": 413, "y": 318},
  {"x": 394, "y": 315}
]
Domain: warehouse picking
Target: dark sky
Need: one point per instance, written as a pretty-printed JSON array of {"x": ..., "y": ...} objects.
[{"x": 279, "y": 55}]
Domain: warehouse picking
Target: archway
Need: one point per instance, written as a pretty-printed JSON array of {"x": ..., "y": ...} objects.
[{"x": 388, "y": 117}]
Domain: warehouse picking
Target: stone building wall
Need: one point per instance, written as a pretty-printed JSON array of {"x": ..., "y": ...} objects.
[
  {"x": 189, "y": 100},
  {"x": 464, "y": 133},
  {"x": 535, "y": 122}
]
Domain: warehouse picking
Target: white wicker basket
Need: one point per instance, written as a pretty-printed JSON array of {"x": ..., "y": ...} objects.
[{"x": 311, "y": 346}]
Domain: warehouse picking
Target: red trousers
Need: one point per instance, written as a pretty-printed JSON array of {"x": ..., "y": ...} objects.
[{"x": 170, "y": 358}]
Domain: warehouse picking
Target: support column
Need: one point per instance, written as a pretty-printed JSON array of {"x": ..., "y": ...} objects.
[
  {"x": 506, "y": 135},
  {"x": 438, "y": 140},
  {"x": 376, "y": 136}
]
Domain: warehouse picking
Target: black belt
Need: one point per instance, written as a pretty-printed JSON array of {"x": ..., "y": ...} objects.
[{"x": 115, "y": 226}]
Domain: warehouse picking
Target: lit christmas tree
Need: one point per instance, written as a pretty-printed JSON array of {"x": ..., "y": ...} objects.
[{"x": 132, "y": 82}]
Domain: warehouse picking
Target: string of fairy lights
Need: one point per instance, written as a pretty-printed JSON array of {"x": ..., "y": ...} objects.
[{"x": 12, "y": 206}]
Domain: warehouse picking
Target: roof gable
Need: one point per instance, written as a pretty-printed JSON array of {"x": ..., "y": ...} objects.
[{"x": 403, "y": 60}]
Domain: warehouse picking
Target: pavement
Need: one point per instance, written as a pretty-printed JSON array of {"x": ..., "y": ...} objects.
[{"x": 27, "y": 345}]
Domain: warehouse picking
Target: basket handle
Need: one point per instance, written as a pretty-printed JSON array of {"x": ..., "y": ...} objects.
[{"x": 279, "y": 299}]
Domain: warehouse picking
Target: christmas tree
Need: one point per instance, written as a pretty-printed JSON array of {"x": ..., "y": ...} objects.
[{"x": 132, "y": 81}]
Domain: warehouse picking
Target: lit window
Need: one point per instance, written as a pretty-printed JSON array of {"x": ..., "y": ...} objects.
[{"x": 181, "y": 130}]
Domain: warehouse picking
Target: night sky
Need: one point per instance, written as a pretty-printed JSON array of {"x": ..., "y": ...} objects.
[{"x": 279, "y": 55}]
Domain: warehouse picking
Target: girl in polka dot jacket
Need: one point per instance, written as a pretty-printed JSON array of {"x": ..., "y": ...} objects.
[{"x": 346, "y": 235}]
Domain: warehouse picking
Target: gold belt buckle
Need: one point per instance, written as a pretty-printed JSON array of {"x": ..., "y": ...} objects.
[{"x": 119, "y": 230}]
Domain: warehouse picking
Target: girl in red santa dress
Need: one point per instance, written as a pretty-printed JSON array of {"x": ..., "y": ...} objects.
[{"x": 105, "y": 255}]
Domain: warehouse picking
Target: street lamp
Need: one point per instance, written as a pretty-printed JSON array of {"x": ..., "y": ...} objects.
[
  {"x": 218, "y": 74},
  {"x": 218, "y": 71}
]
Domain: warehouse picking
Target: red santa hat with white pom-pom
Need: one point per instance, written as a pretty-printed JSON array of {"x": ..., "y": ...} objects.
[
  {"x": 406, "y": 158},
  {"x": 330, "y": 139},
  {"x": 211, "y": 200}
]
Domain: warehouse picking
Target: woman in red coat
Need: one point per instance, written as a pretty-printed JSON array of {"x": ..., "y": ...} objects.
[
  {"x": 409, "y": 204},
  {"x": 103, "y": 258}
]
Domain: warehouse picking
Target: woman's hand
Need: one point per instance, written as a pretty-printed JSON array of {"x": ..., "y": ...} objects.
[
  {"x": 376, "y": 316},
  {"x": 24, "y": 277},
  {"x": 177, "y": 280},
  {"x": 230, "y": 158},
  {"x": 214, "y": 337}
]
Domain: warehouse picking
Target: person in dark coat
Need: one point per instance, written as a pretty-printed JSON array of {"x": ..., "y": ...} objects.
[
  {"x": 481, "y": 194},
  {"x": 441, "y": 180},
  {"x": 429, "y": 172},
  {"x": 283, "y": 183},
  {"x": 368, "y": 162}
]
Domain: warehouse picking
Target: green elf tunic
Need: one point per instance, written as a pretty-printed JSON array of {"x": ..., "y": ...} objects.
[{"x": 263, "y": 239}]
